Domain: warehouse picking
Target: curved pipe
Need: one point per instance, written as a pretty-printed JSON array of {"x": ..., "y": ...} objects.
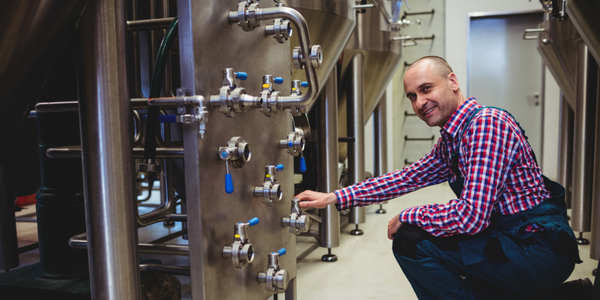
[
  {"x": 161, "y": 214},
  {"x": 298, "y": 20}
]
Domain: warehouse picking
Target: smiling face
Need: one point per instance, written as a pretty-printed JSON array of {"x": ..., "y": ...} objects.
[{"x": 433, "y": 91}]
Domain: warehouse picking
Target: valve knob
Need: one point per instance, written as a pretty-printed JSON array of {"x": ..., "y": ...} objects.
[
  {"x": 278, "y": 80},
  {"x": 241, "y": 75},
  {"x": 302, "y": 164},
  {"x": 228, "y": 184},
  {"x": 282, "y": 251},
  {"x": 279, "y": 167},
  {"x": 304, "y": 83},
  {"x": 253, "y": 222}
]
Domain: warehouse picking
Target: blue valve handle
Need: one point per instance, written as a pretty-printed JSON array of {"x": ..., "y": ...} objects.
[
  {"x": 167, "y": 119},
  {"x": 228, "y": 184},
  {"x": 241, "y": 75},
  {"x": 282, "y": 251},
  {"x": 253, "y": 221},
  {"x": 304, "y": 84},
  {"x": 278, "y": 80},
  {"x": 302, "y": 164},
  {"x": 279, "y": 167}
]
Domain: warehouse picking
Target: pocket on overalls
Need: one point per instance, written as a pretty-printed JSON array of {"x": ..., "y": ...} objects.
[{"x": 487, "y": 248}]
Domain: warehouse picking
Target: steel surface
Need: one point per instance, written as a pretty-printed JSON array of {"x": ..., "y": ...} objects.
[
  {"x": 382, "y": 57},
  {"x": 595, "y": 239},
  {"x": 328, "y": 178},
  {"x": 584, "y": 14},
  {"x": 380, "y": 138},
  {"x": 587, "y": 73},
  {"x": 331, "y": 24},
  {"x": 565, "y": 166},
  {"x": 356, "y": 129},
  {"x": 107, "y": 156},
  {"x": 209, "y": 44}
]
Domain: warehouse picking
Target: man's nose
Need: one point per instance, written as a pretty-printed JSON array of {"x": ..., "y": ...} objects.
[{"x": 421, "y": 101}]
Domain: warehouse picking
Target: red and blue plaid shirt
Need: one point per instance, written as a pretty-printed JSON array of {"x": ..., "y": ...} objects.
[{"x": 495, "y": 160}]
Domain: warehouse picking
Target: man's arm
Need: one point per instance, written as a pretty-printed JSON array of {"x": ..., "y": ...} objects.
[{"x": 489, "y": 150}]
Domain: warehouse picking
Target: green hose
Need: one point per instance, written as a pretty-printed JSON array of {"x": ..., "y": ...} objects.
[{"x": 155, "y": 89}]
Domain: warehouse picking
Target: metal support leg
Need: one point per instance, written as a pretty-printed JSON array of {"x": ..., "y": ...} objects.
[
  {"x": 356, "y": 129},
  {"x": 587, "y": 71},
  {"x": 380, "y": 134},
  {"x": 291, "y": 293},
  {"x": 105, "y": 115},
  {"x": 329, "y": 228}
]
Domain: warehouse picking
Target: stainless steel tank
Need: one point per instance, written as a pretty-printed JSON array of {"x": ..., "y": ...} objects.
[{"x": 381, "y": 58}]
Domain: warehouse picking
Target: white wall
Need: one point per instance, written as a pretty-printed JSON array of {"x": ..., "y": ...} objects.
[{"x": 458, "y": 13}]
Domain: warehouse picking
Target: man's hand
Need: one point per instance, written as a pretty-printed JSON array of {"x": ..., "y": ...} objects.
[
  {"x": 316, "y": 199},
  {"x": 393, "y": 226}
]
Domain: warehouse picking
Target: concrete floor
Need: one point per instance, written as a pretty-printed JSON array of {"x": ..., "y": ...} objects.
[{"x": 366, "y": 268}]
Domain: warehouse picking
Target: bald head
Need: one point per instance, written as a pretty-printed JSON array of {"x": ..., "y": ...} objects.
[{"x": 439, "y": 64}]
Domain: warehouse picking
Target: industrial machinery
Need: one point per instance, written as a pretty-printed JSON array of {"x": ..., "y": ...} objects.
[{"x": 209, "y": 98}]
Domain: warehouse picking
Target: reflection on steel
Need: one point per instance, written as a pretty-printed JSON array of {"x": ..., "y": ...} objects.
[
  {"x": 356, "y": 128},
  {"x": 138, "y": 152},
  {"x": 587, "y": 73},
  {"x": 329, "y": 228},
  {"x": 595, "y": 240},
  {"x": 176, "y": 270},
  {"x": 80, "y": 242},
  {"x": 565, "y": 164},
  {"x": 107, "y": 158},
  {"x": 380, "y": 143},
  {"x": 584, "y": 14}
]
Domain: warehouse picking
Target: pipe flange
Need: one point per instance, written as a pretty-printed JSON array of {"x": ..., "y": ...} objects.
[
  {"x": 242, "y": 16},
  {"x": 148, "y": 167},
  {"x": 274, "y": 102},
  {"x": 224, "y": 107},
  {"x": 316, "y": 56},
  {"x": 236, "y": 100},
  {"x": 252, "y": 16},
  {"x": 264, "y": 100},
  {"x": 298, "y": 58}
]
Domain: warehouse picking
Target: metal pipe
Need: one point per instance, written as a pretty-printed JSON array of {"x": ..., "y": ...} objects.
[
  {"x": 149, "y": 24},
  {"x": 80, "y": 242},
  {"x": 107, "y": 157},
  {"x": 138, "y": 152},
  {"x": 65, "y": 106},
  {"x": 356, "y": 128},
  {"x": 584, "y": 137},
  {"x": 565, "y": 166},
  {"x": 176, "y": 270},
  {"x": 306, "y": 99},
  {"x": 380, "y": 135},
  {"x": 327, "y": 159},
  {"x": 595, "y": 239}
]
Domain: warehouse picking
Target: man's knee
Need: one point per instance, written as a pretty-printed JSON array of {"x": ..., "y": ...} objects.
[{"x": 406, "y": 239}]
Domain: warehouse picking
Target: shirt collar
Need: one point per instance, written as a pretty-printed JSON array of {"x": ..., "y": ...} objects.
[{"x": 459, "y": 117}]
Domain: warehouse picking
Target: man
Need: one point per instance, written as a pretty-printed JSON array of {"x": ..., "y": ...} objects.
[{"x": 506, "y": 234}]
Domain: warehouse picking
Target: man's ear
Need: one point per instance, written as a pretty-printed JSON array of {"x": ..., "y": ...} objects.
[{"x": 453, "y": 80}]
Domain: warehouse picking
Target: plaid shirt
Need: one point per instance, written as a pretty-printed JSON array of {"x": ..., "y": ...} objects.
[{"x": 495, "y": 160}]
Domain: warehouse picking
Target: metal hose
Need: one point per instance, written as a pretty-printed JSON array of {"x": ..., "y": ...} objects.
[{"x": 155, "y": 89}]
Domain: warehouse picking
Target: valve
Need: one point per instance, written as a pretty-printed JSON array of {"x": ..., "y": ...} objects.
[
  {"x": 297, "y": 221},
  {"x": 275, "y": 277},
  {"x": 240, "y": 251},
  {"x": 238, "y": 152},
  {"x": 315, "y": 57},
  {"x": 281, "y": 30},
  {"x": 271, "y": 190},
  {"x": 295, "y": 146},
  {"x": 269, "y": 97},
  {"x": 232, "y": 98},
  {"x": 245, "y": 16}
]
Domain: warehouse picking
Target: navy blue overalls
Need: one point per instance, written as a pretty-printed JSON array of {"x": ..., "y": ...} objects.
[{"x": 507, "y": 260}]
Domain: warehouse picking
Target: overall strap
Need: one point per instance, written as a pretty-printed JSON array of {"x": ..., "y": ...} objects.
[{"x": 454, "y": 154}]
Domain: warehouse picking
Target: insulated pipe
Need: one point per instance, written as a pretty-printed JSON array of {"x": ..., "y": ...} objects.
[
  {"x": 105, "y": 117},
  {"x": 587, "y": 71},
  {"x": 595, "y": 239},
  {"x": 328, "y": 178},
  {"x": 356, "y": 129},
  {"x": 565, "y": 166}
]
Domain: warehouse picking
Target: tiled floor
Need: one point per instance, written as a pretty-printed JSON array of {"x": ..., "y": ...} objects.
[{"x": 366, "y": 268}]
